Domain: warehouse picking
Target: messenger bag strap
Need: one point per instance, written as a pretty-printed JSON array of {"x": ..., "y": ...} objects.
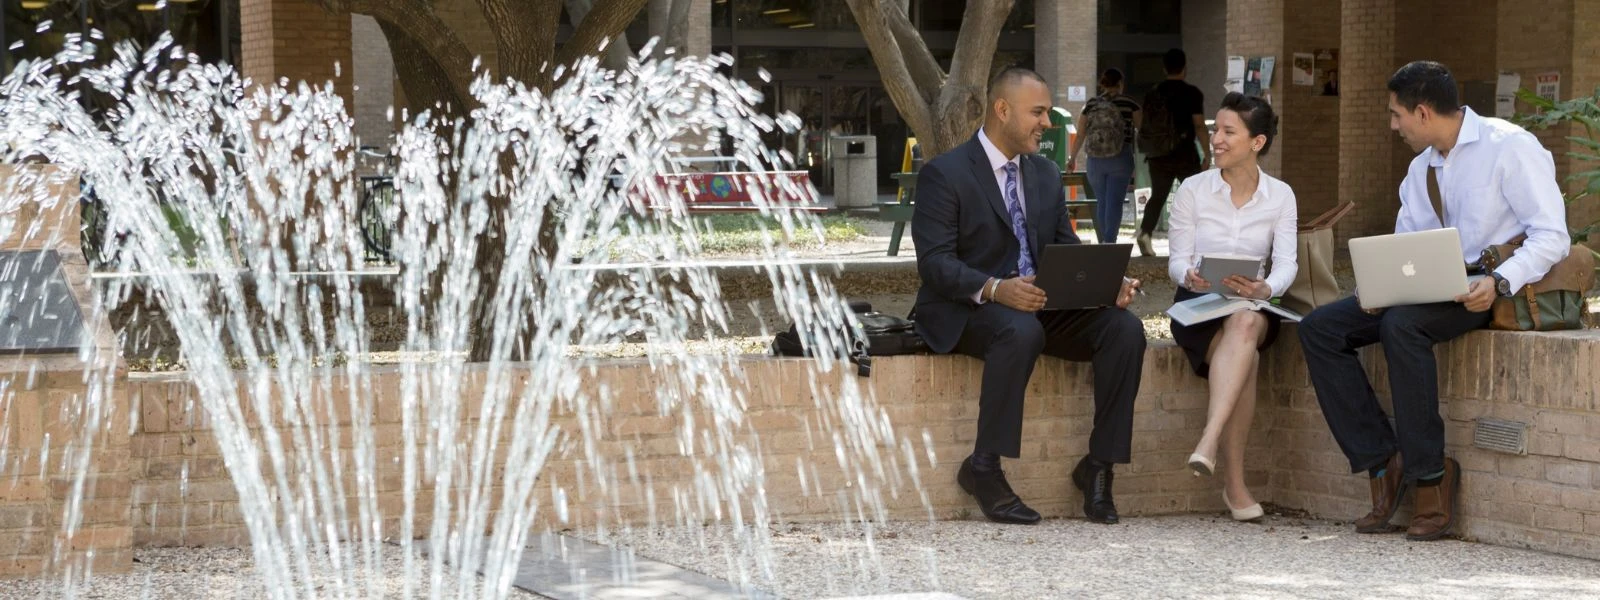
[{"x": 1433, "y": 194}]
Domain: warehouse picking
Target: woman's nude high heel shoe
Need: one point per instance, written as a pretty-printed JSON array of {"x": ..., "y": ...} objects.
[
  {"x": 1201, "y": 465},
  {"x": 1248, "y": 513}
]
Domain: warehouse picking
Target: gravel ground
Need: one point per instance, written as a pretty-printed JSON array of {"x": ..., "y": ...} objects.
[
  {"x": 1191, "y": 556},
  {"x": 182, "y": 573}
]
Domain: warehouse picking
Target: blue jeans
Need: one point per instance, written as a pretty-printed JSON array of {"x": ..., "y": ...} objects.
[
  {"x": 1109, "y": 178},
  {"x": 1330, "y": 335}
]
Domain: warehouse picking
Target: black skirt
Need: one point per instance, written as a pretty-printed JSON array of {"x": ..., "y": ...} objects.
[{"x": 1196, "y": 339}]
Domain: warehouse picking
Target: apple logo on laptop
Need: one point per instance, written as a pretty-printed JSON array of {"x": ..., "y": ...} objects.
[
  {"x": 1082, "y": 276},
  {"x": 1408, "y": 269}
]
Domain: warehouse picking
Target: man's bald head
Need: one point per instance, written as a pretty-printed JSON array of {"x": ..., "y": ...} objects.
[
  {"x": 1018, "y": 111},
  {"x": 1007, "y": 80}
]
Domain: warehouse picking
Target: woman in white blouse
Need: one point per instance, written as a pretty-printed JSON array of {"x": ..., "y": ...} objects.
[{"x": 1232, "y": 209}]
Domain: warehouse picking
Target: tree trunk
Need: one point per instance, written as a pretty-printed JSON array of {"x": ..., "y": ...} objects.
[
  {"x": 943, "y": 110},
  {"x": 525, "y": 38},
  {"x": 448, "y": 59},
  {"x": 426, "y": 84}
]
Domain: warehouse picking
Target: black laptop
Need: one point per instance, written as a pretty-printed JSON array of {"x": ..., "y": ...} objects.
[{"x": 1082, "y": 275}]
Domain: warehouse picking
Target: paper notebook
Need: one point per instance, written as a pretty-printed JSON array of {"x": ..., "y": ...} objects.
[{"x": 1216, "y": 306}]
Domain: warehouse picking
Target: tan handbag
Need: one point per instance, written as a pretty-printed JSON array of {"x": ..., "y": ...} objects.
[
  {"x": 1554, "y": 302},
  {"x": 1314, "y": 284}
]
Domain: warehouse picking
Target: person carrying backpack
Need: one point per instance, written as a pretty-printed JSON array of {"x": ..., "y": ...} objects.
[
  {"x": 1174, "y": 117},
  {"x": 1105, "y": 133}
]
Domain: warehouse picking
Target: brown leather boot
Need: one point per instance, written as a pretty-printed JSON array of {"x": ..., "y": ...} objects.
[
  {"x": 1436, "y": 506},
  {"x": 1386, "y": 494}
]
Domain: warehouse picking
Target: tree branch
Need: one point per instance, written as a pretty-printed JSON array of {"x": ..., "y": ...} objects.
[
  {"x": 980, "y": 34},
  {"x": 618, "y": 52},
  {"x": 605, "y": 21},
  {"x": 925, "y": 71},
  {"x": 892, "y": 68},
  {"x": 963, "y": 98},
  {"x": 419, "y": 23},
  {"x": 424, "y": 82}
]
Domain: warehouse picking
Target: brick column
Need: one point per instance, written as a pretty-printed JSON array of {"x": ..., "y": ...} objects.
[
  {"x": 298, "y": 40},
  {"x": 1305, "y": 153},
  {"x": 1255, "y": 29},
  {"x": 1366, "y": 146},
  {"x": 1066, "y": 46},
  {"x": 1585, "y": 77}
]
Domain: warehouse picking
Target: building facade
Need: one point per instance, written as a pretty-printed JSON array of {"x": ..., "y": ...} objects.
[{"x": 1334, "y": 139}]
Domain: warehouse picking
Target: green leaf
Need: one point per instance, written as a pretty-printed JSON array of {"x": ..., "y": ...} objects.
[{"x": 1585, "y": 142}]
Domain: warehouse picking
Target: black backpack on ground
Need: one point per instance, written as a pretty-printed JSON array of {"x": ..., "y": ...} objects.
[{"x": 886, "y": 335}]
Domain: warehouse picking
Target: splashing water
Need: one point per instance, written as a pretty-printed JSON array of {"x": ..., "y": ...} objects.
[{"x": 536, "y": 222}]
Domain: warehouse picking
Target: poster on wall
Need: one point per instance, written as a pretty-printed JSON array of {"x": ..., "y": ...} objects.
[
  {"x": 1252, "y": 76},
  {"x": 1304, "y": 69},
  {"x": 1548, "y": 86},
  {"x": 1327, "y": 70},
  {"x": 1505, "y": 94},
  {"x": 1235, "y": 79}
]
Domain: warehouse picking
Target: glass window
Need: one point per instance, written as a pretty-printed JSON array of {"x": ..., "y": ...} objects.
[
  {"x": 791, "y": 14},
  {"x": 195, "y": 25},
  {"x": 1143, "y": 16}
]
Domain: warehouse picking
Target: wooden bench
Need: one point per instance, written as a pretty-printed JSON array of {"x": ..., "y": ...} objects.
[
  {"x": 729, "y": 192},
  {"x": 904, "y": 206},
  {"x": 1080, "y": 179},
  {"x": 901, "y": 210}
]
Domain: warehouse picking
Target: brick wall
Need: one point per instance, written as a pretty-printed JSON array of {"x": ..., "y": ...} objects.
[
  {"x": 1584, "y": 81},
  {"x": 1256, "y": 28},
  {"x": 1306, "y": 152},
  {"x": 1309, "y": 133},
  {"x": 43, "y": 404},
  {"x": 928, "y": 399},
  {"x": 1066, "y": 42},
  {"x": 1547, "y": 499},
  {"x": 1367, "y": 149},
  {"x": 171, "y": 472},
  {"x": 297, "y": 40}
]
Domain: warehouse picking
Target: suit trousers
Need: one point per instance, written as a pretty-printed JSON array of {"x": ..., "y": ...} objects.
[
  {"x": 1330, "y": 336},
  {"x": 1010, "y": 341}
]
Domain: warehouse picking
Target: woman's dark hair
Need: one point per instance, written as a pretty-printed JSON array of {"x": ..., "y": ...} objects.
[
  {"x": 1110, "y": 79},
  {"x": 1256, "y": 114}
]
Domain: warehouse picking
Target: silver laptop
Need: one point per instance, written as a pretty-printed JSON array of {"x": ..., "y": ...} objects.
[{"x": 1409, "y": 268}]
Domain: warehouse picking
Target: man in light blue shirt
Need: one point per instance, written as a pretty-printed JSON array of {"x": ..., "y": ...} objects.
[{"x": 1495, "y": 182}]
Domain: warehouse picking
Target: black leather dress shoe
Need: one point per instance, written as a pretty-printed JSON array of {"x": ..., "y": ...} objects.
[
  {"x": 1094, "y": 480},
  {"x": 994, "y": 495}
]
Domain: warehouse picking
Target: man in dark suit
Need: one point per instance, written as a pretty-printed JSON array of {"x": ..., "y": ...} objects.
[{"x": 984, "y": 211}]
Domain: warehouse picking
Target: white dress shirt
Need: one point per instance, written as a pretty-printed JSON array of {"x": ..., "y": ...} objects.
[
  {"x": 997, "y": 162},
  {"x": 1498, "y": 182},
  {"x": 1204, "y": 221}
]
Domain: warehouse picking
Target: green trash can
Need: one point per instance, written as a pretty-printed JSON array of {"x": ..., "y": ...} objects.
[{"x": 1055, "y": 143}]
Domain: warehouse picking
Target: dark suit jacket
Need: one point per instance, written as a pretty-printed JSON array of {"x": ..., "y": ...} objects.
[{"x": 963, "y": 233}]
